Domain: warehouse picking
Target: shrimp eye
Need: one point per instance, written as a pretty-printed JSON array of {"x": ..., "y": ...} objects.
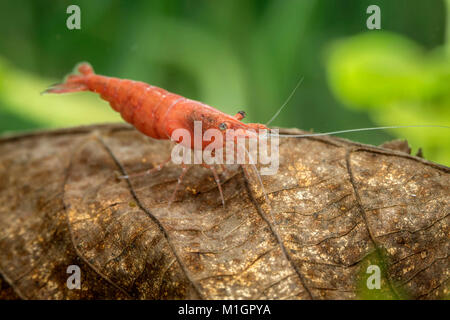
[{"x": 223, "y": 126}]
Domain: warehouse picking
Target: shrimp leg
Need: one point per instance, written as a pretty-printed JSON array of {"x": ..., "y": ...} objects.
[
  {"x": 149, "y": 171},
  {"x": 180, "y": 180},
  {"x": 216, "y": 178}
]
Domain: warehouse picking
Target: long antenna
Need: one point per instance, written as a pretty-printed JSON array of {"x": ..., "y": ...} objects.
[
  {"x": 361, "y": 129},
  {"x": 286, "y": 102}
]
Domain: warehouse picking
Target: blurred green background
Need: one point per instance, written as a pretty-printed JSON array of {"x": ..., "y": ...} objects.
[{"x": 236, "y": 54}]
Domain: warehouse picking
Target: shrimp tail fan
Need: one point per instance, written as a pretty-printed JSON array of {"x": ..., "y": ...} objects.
[{"x": 75, "y": 81}]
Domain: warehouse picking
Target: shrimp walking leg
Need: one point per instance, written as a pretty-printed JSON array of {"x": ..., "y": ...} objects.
[
  {"x": 216, "y": 178},
  {"x": 146, "y": 172},
  {"x": 180, "y": 180}
]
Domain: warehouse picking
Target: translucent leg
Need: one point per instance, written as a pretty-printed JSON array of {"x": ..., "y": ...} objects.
[
  {"x": 180, "y": 180},
  {"x": 216, "y": 178},
  {"x": 245, "y": 172},
  {"x": 149, "y": 171}
]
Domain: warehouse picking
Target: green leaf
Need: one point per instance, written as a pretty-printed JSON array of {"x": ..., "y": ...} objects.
[{"x": 398, "y": 84}]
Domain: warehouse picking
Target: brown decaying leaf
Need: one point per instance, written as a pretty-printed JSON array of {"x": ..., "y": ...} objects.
[{"x": 332, "y": 203}]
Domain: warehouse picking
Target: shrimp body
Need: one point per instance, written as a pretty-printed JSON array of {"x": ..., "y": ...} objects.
[
  {"x": 157, "y": 113},
  {"x": 153, "y": 111}
]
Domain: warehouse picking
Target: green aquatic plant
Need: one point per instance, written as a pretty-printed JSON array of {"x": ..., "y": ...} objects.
[{"x": 397, "y": 83}]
